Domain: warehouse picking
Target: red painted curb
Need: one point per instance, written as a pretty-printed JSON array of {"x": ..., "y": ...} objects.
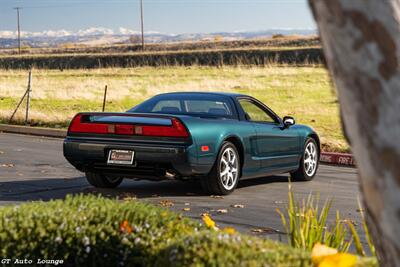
[{"x": 337, "y": 158}]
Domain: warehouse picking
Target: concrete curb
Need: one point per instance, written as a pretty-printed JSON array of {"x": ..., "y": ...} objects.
[
  {"x": 326, "y": 157},
  {"x": 40, "y": 131},
  {"x": 337, "y": 158}
]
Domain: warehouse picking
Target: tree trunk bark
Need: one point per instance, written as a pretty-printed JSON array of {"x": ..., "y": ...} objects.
[{"x": 361, "y": 42}]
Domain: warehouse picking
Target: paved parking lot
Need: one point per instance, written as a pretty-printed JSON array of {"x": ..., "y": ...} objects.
[{"x": 33, "y": 168}]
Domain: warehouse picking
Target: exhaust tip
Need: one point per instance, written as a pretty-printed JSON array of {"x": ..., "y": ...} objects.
[{"x": 170, "y": 175}]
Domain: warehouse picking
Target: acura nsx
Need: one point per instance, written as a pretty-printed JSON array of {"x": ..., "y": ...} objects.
[{"x": 217, "y": 138}]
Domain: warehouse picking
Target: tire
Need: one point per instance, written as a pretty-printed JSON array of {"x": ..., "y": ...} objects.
[
  {"x": 101, "y": 181},
  {"x": 228, "y": 162},
  {"x": 309, "y": 162}
]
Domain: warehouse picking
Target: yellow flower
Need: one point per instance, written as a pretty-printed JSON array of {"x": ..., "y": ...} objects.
[
  {"x": 339, "y": 260},
  {"x": 164, "y": 214},
  {"x": 229, "y": 230},
  {"x": 320, "y": 251},
  {"x": 208, "y": 221},
  {"x": 324, "y": 256}
]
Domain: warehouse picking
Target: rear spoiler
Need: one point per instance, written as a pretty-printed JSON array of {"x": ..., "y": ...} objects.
[{"x": 127, "y": 124}]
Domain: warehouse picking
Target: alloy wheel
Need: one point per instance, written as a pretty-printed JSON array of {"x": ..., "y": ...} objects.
[
  {"x": 310, "y": 159},
  {"x": 229, "y": 167}
]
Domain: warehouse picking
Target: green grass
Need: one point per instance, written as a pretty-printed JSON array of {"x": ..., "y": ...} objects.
[
  {"x": 95, "y": 231},
  {"x": 303, "y": 92}
]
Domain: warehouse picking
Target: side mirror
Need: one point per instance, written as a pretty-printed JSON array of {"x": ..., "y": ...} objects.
[{"x": 288, "y": 121}]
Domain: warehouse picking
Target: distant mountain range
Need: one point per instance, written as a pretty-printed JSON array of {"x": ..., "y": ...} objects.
[{"x": 104, "y": 36}]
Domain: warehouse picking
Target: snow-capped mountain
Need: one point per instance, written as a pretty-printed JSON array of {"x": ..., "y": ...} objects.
[{"x": 104, "y": 36}]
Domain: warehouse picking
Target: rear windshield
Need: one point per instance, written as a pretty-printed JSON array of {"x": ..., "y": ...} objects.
[{"x": 189, "y": 104}]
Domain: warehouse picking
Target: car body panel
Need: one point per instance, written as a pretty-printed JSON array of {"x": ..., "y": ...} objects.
[
  {"x": 277, "y": 147},
  {"x": 204, "y": 131}
]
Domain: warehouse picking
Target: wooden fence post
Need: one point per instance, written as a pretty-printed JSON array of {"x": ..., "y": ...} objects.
[
  {"x": 105, "y": 98},
  {"x": 28, "y": 98}
]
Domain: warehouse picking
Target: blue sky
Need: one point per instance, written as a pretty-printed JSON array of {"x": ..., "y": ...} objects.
[{"x": 167, "y": 16}]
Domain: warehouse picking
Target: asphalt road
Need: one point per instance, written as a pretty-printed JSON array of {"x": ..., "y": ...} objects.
[{"x": 33, "y": 168}]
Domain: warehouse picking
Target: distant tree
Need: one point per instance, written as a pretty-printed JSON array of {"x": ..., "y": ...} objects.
[
  {"x": 135, "y": 39},
  {"x": 218, "y": 38},
  {"x": 361, "y": 42},
  {"x": 25, "y": 46},
  {"x": 277, "y": 35},
  {"x": 67, "y": 45}
]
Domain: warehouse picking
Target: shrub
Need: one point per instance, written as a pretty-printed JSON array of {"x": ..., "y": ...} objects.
[
  {"x": 95, "y": 231},
  {"x": 88, "y": 229},
  {"x": 218, "y": 57},
  {"x": 277, "y": 35},
  {"x": 221, "y": 249}
]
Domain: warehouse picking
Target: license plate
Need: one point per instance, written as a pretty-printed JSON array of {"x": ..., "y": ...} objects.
[{"x": 125, "y": 157}]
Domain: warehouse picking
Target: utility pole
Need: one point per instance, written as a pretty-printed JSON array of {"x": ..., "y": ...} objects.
[
  {"x": 19, "y": 30},
  {"x": 141, "y": 22}
]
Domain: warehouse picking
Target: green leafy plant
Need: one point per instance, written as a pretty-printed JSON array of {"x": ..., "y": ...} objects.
[
  {"x": 357, "y": 240},
  {"x": 306, "y": 224}
]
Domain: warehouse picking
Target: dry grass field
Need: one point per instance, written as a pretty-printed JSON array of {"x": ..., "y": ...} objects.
[
  {"x": 294, "y": 50},
  {"x": 272, "y": 42},
  {"x": 303, "y": 92}
]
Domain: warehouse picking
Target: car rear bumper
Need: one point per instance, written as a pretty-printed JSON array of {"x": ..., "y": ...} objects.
[{"x": 151, "y": 161}]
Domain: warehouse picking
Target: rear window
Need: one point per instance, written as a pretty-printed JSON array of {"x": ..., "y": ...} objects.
[{"x": 202, "y": 105}]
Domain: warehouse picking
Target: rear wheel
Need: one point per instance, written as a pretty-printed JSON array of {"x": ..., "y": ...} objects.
[
  {"x": 224, "y": 176},
  {"x": 103, "y": 181},
  {"x": 308, "y": 163}
]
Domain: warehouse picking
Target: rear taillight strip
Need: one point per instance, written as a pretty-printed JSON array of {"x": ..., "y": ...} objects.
[{"x": 177, "y": 129}]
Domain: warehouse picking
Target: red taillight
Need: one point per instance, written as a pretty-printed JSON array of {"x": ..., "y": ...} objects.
[
  {"x": 79, "y": 125},
  {"x": 176, "y": 130}
]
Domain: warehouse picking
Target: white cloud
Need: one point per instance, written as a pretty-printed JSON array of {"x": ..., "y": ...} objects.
[
  {"x": 95, "y": 31},
  {"x": 125, "y": 31},
  {"x": 61, "y": 33},
  {"x": 84, "y": 32},
  {"x": 8, "y": 34}
]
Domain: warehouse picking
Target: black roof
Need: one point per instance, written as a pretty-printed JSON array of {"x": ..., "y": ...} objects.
[{"x": 205, "y": 93}]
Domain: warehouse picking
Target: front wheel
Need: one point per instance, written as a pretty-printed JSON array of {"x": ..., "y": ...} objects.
[
  {"x": 224, "y": 176},
  {"x": 102, "y": 181},
  {"x": 308, "y": 163}
]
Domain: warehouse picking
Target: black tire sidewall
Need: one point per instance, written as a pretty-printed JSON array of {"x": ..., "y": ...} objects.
[{"x": 101, "y": 181}]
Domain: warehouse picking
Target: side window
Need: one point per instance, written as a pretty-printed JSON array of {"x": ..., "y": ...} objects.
[{"x": 254, "y": 112}]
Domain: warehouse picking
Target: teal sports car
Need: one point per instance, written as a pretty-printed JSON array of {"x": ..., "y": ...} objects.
[{"x": 217, "y": 138}]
